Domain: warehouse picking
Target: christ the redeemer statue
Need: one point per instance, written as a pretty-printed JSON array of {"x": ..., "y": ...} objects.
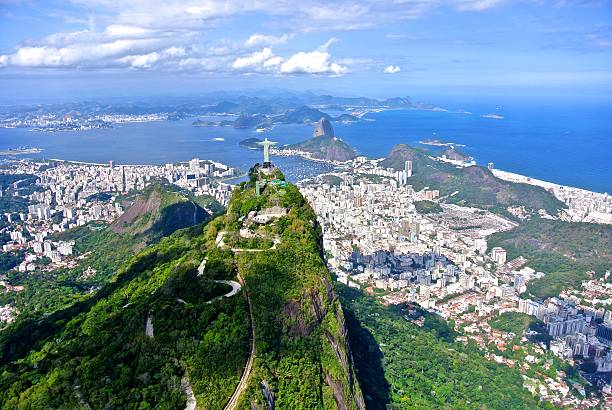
[{"x": 266, "y": 146}]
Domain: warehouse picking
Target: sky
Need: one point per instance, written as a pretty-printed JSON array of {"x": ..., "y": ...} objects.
[{"x": 104, "y": 48}]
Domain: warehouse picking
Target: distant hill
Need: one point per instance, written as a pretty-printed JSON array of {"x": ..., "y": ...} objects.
[
  {"x": 301, "y": 115},
  {"x": 472, "y": 186},
  {"x": 455, "y": 154},
  {"x": 565, "y": 251},
  {"x": 325, "y": 146},
  {"x": 251, "y": 121},
  {"x": 158, "y": 212},
  {"x": 251, "y": 143}
]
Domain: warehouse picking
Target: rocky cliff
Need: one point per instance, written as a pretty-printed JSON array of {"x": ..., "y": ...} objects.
[
  {"x": 323, "y": 128},
  {"x": 324, "y": 145}
]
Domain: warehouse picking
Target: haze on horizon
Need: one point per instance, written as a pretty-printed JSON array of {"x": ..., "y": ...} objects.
[{"x": 101, "y": 48}]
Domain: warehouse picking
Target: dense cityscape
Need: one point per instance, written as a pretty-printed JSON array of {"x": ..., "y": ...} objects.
[
  {"x": 405, "y": 247},
  {"x": 317, "y": 205},
  {"x": 377, "y": 239}
]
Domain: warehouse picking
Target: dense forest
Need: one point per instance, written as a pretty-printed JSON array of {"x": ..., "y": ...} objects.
[
  {"x": 401, "y": 365},
  {"x": 301, "y": 353},
  {"x": 470, "y": 186},
  {"x": 158, "y": 326},
  {"x": 565, "y": 251},
  {"x": 96, "y": 352}
]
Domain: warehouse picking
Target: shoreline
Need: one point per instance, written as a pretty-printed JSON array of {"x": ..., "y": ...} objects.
[
  {"x": 582, "y": 205},
  {"x": 514, "y": 177}
]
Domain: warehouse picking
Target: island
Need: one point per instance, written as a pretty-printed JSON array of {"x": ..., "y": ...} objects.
[
  {"x": 20, "y": 151},
  {"x": 439, "y": 143},
  {"x": 251, "y": 143},
  {"x": 323, "y": 145},
  {"x": 204, "y": 123}
]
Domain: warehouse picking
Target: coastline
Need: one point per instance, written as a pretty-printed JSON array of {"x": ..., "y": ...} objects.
[{"x": 582, "y": 205}]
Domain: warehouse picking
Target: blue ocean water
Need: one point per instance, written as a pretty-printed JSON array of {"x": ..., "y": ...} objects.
[{"x": 570, "y": 144}]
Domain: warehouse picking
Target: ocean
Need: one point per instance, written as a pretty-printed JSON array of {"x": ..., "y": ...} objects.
[{"x": 569, "y": 144}]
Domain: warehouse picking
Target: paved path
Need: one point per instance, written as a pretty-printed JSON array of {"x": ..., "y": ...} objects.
[
  {"x": 233, "y": 401},
  {"x": 235, "y": 285},
  {"x": 191, "y": 400},
  {"x": 149, "y": 327}
]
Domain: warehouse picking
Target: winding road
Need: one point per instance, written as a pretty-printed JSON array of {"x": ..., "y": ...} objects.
[
  {"x": 236, "y": 286},
  {"x": 233, "y": 401}
]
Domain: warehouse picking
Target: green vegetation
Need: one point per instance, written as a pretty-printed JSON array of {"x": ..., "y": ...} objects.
[
  {"x": 403, "y": 366},
  {"x": 427, "y": 207},
  {"x": 332, "y": 180},
  {"x": 472, "y": 186},
  {"x": 96, "y": 354},
  {"x": 209, "y": 203},
  {"x": 8, "y": 260},
  {"x": 565, "y": 251},
  {"x": 105, "y": 248},
  {"x": 13, "y": 204},
  {"x": 7, "y": 180},
  {"x": 159, "y": 211},
  {"x": 326, "y": 147},
  {"x": 512, "y": 322},
  {"x": 299, "y": 326}
]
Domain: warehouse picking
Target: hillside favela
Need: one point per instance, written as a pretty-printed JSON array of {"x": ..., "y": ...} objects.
[{"x": 267, "y": 205}]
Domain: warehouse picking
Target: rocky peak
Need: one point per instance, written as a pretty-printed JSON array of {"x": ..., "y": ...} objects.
[{"x": 323, "y": 128}]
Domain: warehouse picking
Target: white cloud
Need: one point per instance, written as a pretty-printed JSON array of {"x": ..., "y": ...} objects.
[
  {"x": 263, "y": 40},
  {"x": 392, "y": 69},
  {"x": 476, "y": 5},
  {"x": 253, "y": 61},
  {"x": 328, "y": 44},
  {"x": 147, "y": 34},
  {"x": 273, "y": 62},
  {"x": 318, "y": 62},
  {"x": 151, "y": 59},
  {"x": 314, "y": 62}
]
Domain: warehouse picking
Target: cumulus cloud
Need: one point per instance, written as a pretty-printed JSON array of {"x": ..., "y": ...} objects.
[
  {"x": 317, "y": 62},
  {"x": 392, "y": 69},
  {"x": 254, "y": 60},
  {"x": 264, "y": 40},
  {"x": 314, "y": 62},
  {"x": 137, "y": 34}
]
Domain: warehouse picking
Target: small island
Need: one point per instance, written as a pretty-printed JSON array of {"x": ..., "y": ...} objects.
[
  {"x": 20, "y": 151},
  {"x": 439, "y": 143},
  {"x": 204, "y": 123},
  {"x": 251, "y": 143}
]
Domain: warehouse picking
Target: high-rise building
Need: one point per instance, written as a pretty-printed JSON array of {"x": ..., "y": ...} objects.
[
  {"x": 123, "y": 180},
  {"x": 498, "y": 255},
  {"x": 408, "y": 168},
  {"x": 194, "y": 164},
  {"x": 490, "y": 166},
  {"x": 358, "y": 201}
]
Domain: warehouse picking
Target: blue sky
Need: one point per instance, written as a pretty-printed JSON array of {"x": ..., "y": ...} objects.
[{"x": 89, "y": 48}]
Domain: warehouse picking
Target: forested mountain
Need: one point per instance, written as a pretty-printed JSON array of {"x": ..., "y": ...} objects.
[
  {"x": 175, "y": 325},
  {"x": 470, "y": 186}
]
